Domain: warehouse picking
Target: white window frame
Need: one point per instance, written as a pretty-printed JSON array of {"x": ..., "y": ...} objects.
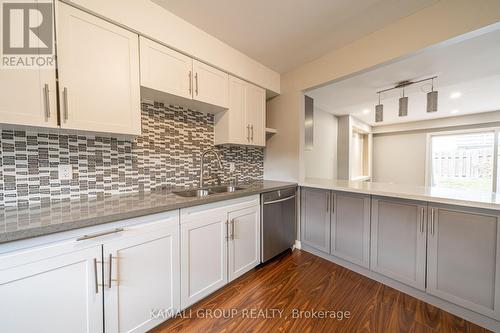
[{"x": 428, "y": 151}]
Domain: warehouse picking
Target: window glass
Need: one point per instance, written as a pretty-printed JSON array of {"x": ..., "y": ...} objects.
[{"x": 463, "y": 161}]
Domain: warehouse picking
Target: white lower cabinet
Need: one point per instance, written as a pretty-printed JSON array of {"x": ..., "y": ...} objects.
[
  {"x": 219, "y": 242},
  {"x": 463, "y": 256},
  {"x": 52, "y": 292},
  {"x": 113, "y": 279},
  {"x": 398, "y": 240},
  {"x": 244, "y": 241},
  {"x": 141, "y": 275},
  {"x": 203, "y": 256}
]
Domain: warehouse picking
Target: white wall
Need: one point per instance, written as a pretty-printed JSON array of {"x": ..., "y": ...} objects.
[
  {"x": 435, "y": 24},
  {"x": 399, "y": 158},
  {"x": 321, "y": 161}
]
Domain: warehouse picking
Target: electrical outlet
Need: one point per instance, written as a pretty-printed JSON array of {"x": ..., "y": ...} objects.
[
  {"x": 65, "y": 172},
  {"x": 231, "y": 167}
]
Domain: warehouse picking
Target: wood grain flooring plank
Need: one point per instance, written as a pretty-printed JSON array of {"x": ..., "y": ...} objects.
[{"x": 301, "y": 283}]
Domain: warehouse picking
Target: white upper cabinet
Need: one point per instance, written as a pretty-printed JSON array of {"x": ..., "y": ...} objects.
[
  {"x": 98, "y": 74},
  {"x": 256, "y": 114},
  {"x": 244, "y": 122},
  {"x": 165, "y": 70},
  {"x": 210, "y": 85},
  {"x": 170, "y": 77},
  {"x": 28, "y": 97}
]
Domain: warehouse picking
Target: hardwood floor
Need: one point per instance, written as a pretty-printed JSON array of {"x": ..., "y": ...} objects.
[{"x": 302, "y": 281}]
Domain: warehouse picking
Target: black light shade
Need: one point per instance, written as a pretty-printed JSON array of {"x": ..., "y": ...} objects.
[
  {"x": 403, "y": 106},
  {"x": 432, "y": 101},
  {"x": 379, "y": 113}
]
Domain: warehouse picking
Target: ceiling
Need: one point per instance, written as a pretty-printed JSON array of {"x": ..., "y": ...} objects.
[
  {"x": 283, "y": 34},
  {"x": 469, "y": 68}
]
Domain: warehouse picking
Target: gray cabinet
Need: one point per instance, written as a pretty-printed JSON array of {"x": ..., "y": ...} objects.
[
  {"x": 398, "y": 240},
  {"x": 462, "y": 258},
  {"x": 350, "y": 227},
  {"x": 315, "y": 218}
]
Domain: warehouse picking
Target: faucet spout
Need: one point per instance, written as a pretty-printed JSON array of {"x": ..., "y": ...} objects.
[{"x": 202, "y": 167}]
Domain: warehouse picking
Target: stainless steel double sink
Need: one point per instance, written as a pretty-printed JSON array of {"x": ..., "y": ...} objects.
[{"x": 203, "y": 192}]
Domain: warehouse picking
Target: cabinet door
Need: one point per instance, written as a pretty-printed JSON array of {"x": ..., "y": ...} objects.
[
  {"x": 98, "y": 74},
  {"x": 203, "y": 256},
  {"x": 210, "y": 85},
  {"x": 28, "y": 97},
  {"x": 350, "y": 231},
  {"x": 165, "y": 70},
  {"x": 463, "y": 258},
  {"x": 398, "y": 240},
  {"x": 256, "y": 114},
  {"x": 244, "y": 241},
  {"x": 141, "y": 275},
  {"x": 60, "y": 293},
  {"x": 315, "y": 218},
  {"x": 230, "y": 125}
]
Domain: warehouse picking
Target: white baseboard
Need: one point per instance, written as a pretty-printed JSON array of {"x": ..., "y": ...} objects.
[
  {"x": 297, "y": 245},
  {"x": 466, "y": 314}
]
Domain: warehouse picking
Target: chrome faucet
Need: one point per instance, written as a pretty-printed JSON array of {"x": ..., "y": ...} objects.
[{"x": 212, "y": 151}]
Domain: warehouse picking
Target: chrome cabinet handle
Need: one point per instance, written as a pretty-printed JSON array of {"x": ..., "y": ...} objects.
[
  {"x": 332, "y": 203},
  {"x": 190, "y": 82},
  {"x": 85, "y": 237},
  {"x": 248, "y": 133},
  {"x": 65, "y": 98},
  {"x": 46, "y": 100},
  {"x": 252, "y": 131},
  {"x": 95, "y": 277},
  {"x": 227, "y": 230},
  {"x": 196, "y": 83},
  {"x": 432, "y": 221},
  {"x": 327, "y": 202},
  {"x": 232, "y": 229},
  {"x": 422, "y": 219},
  {"x": 110, "y": 269},
  {"x": 110, "y": 279}
]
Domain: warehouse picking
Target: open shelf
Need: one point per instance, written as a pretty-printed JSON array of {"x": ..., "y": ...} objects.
[{"x": 271, "y": 131}]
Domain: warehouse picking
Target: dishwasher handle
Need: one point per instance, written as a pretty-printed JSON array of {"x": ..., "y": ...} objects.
[{"x": 279, "y": 200}]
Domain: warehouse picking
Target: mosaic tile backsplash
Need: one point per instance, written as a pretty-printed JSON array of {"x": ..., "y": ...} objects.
[{"x": 166, "y": 154}]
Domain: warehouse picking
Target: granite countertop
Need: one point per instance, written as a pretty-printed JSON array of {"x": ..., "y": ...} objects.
[
  {"x": 18, "y": 223},
  {"x": 467, "y": 198}
]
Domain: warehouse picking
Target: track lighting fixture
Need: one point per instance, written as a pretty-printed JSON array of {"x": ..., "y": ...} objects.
[
  {"x": 432, "y": 99},
  {"x": 403, "y": 105},
  {"x": 379, "y": 111}
]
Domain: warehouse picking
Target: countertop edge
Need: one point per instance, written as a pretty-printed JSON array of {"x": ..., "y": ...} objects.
[
  {"x": 24, "y": 234},
  {"x": 407, "y": 196}
]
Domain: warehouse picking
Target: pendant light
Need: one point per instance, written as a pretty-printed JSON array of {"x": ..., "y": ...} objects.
[
  {"x": 379, "y": 111},
  {"x": 403, "y": 105},
  {"x": 432, "y": 99}
]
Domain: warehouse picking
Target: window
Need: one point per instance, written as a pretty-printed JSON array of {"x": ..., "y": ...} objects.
[{"x": 465, "y": 160}]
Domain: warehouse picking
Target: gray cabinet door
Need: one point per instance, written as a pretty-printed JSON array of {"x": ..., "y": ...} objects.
[
  {"x": 315, "y": 218},
  {"x": 350, "y": 230},
  {"x": 398, "y": 240},
  {"x": 463, "y": 257}
]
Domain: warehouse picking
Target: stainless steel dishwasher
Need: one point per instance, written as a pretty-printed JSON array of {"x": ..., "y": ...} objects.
[{"x": 278, "y": 222}]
